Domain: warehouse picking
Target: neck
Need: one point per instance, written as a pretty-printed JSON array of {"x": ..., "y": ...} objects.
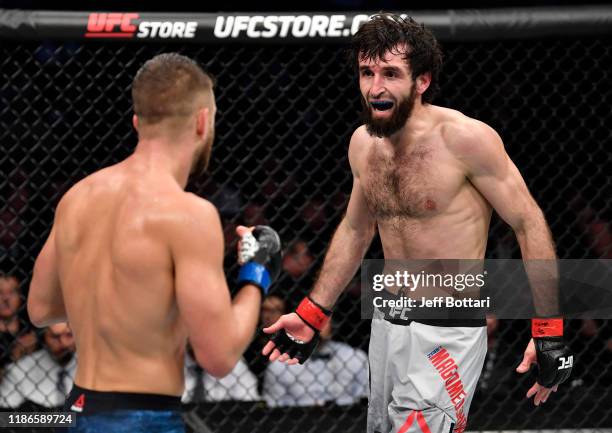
[
  {"x": 165, "y": 156},
  {"x": 414, "y": 126}
]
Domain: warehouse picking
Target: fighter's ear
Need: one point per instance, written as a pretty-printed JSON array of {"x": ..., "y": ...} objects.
[
  {"x": 422, "y": 82},
  {"x": 202, "y": 120}
]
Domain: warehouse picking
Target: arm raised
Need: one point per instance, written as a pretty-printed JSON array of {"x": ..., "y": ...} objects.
[{"x": 219, "y": 328}]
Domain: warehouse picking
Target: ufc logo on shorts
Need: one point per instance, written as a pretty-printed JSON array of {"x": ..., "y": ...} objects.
[
  {"x": 566, "y": 362},
  {"x": 402, "y": 312}
]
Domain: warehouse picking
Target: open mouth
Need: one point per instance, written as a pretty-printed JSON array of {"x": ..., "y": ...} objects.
[{"x": 381, "y": 105}]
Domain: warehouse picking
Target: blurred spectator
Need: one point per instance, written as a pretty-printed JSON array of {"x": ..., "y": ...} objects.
[
  {"x": 594, "y": 336},
  {"x": 596, "y": 228},
  {"x": 254, "y": 214},
  {"x": 298, "y": 259},
  {"x": 239, "y": 385},
  {"x": 271, "y": 309},
  {"x": 280, "y": 181},
  {"x": 228, "y": 200},
  {"x": 16, "y": 338},
  {"x": 598, "y": 233},
  {"x": 339, "y": 201},
  {"x": 12, "y": 213},
  {"x": 42, "y": 378},
  {"x": 314, "y": 215},
  {"x": 335, "y": 373}
]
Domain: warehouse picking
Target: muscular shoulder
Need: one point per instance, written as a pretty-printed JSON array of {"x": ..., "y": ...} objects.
[
  {"x": 74, "y": 202},
  {"x": 471, "y": 141},
  {"x": 358, "y": 148},
  {"x": 89, "y": 189},
  {"x": 192, "y": 214}
]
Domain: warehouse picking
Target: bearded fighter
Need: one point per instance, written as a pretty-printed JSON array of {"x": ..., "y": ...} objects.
[{"x": 427, "y": 179}]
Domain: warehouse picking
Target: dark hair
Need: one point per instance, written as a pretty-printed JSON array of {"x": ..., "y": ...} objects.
[
  {"x": 386, "y": 32},
  {"x": 167, "y": 86}
]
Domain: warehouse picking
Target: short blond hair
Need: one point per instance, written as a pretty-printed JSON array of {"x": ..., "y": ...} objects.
[{"x": 168, "y": 86}]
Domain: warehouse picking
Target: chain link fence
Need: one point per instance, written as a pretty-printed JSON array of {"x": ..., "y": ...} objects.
[{"x": 285, "y": 115}]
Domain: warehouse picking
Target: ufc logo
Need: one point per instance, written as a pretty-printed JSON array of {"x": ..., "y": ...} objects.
[
  {"x": 566, "y": 362},
  {"x": 402, "y": 312},
  {"x": 103, "y": 24}
]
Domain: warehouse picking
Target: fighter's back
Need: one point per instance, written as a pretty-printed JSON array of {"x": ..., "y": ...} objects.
[{"x": 116, "y": 273}]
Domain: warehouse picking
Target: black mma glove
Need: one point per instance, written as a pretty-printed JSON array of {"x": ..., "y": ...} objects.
[
  {"x": 555, "y": 359},
  {"x": 315, "y": 317},
  {"x": 259, "y": 253}
]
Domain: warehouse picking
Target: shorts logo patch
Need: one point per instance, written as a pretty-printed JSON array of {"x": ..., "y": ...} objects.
[
  {"x": 446, "y": 366},
  {"x": 79, "y": 404}
]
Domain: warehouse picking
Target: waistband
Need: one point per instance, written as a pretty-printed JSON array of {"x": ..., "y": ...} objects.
[
  {"x": 87, "y": 401},
  {"x": 448, "y": 323},
  {"x": 441, "y": 316}
]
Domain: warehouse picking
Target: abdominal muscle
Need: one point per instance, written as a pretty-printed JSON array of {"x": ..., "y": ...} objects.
[
  {"x": 438, "y": 237},
  {"x": 452, "y": 236}
]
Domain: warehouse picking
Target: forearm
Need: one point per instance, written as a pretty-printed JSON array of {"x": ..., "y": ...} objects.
[
  {"x": 535, "y": 239},
  {"x": 540, "y": 259},
  {"x": 343, "y": 258},
  {"x": 246, "y": 306}
]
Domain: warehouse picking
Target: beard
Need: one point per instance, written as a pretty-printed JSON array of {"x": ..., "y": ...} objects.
[
  {"x": 64, "y": 358},
  {"x": 387, "y": 127},
  {"x": 202, "y": 156}
]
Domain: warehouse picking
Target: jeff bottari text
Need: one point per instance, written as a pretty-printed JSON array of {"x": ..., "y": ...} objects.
[{"x": 435, "y": 302}]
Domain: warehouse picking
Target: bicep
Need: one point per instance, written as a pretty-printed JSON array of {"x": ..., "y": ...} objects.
[
  {"x": 497, "y": 178},
  {"x": 358, "y": 214}
]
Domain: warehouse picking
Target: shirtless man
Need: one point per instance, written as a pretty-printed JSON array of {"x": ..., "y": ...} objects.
[
  {"x": 135, "y": 264},
  {"x": 427, "y": 178}
]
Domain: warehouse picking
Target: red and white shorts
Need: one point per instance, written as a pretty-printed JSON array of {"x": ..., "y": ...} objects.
[{"x": 423, "y": 377}]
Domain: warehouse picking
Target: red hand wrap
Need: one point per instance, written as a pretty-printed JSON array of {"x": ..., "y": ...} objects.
[
  {"x": 312, "y": 314},
  {"x": 546, "y": 328}
]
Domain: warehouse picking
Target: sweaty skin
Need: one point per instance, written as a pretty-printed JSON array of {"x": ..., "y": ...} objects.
[
  {"x": 135, "y": 264},
  {"x": 112, "y": 240},
  {"x": 429, "y": 189}
]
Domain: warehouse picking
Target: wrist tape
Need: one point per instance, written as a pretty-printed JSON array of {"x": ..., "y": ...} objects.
[
  {"x": 313, "y": 314},
  {"x": 546, "y": 328},
  {"x": 257, "y": 274}
]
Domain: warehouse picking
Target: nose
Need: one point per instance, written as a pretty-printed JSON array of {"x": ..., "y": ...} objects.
[
  {"x": 378, "y": 86},
  {"x": 66, "y": 342}
]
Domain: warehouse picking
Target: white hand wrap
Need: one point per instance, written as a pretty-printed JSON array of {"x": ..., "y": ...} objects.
[{"x": 247, "y": 247}]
